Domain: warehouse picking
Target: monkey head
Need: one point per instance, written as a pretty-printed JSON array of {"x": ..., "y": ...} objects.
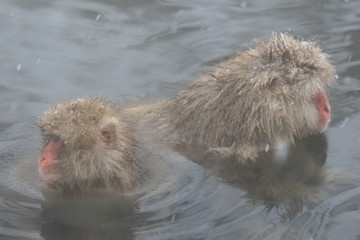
[
  {"x": 87, "y": 144},
  {"x": 282, "y": 85}
]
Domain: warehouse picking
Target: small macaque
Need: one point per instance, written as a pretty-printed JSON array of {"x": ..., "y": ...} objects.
[
  {"x": 259, "y": 99},
  {"x": 88, "y": 144}
]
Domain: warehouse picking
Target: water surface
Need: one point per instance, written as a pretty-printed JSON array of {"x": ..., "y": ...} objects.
[{"x": 54, "y": 50}]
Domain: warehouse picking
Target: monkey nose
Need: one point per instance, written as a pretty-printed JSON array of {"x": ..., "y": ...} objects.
[
  {"x": 327, "y": 109},
  {"x": 325, "y": 112}
]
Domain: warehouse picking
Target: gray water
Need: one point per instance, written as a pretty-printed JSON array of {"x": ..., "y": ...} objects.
[{"x": 54, "y": 50}]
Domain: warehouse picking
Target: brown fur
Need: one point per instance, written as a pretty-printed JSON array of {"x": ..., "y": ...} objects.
[
  {"x": 257, "y": 99},
  {"x": 86, "y": 160}
]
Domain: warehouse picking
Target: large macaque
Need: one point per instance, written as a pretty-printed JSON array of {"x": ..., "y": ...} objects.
[
  {"x": 262, "y": 97},
  {"x": 88, "y": 145}
]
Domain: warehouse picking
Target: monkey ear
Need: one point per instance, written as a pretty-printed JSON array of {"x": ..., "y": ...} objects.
[
  {"x": 108, "y": 134},
  {"x": 274, "y": 83}
]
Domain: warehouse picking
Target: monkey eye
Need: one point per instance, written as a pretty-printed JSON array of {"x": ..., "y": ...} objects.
[
  {"x": 56, "y": 138},
  {"x": 47, "y": 138}
]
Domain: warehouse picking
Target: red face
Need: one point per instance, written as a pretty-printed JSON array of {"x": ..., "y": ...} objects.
[
  {"x": 323, "y": 108},
  {"x": 49, "y": 163}
]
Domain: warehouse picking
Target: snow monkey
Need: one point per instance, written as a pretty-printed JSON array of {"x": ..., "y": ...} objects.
[
  {"x": 268, "y": 95},
  {"x": 88, "y": 144},
  {"x": 273, "y": 93}
]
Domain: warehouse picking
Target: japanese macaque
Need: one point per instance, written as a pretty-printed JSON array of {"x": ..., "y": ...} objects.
[
  {"x": 262, "y": 97},
  {"x": 88, "y": 144},
  {"x": 265, "y": 96}
]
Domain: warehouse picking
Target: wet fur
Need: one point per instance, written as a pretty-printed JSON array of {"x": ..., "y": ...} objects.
[
  {"x": 86, "y": 162},
  {"x": 256, "y": 100}
]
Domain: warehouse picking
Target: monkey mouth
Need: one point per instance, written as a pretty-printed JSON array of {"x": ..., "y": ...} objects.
[
  {"x": 322, "y": 126},
  {"x": 50, "y": 176}
]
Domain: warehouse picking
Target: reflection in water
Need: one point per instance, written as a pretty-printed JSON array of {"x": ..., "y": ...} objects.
[
  {"x": 95, "y": 216},
  {"x": 19, "y": 215},
  {"x": 282, "y": 179},
  {"x": 57, "y": 50},
  {"x": 104, "y": 214}
]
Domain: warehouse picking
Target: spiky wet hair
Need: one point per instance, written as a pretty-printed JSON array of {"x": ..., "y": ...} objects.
[
  {"x": 86, "y": 160},
  {"x": 258, "y": 98}
]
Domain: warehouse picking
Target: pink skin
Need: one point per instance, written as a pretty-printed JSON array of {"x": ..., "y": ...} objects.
[
  {"x": 49, "y": 162},
  {"x": 323, "y": 107}
]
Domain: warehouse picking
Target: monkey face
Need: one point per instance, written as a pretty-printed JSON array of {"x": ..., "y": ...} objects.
[{"x": 86, "y": 143}]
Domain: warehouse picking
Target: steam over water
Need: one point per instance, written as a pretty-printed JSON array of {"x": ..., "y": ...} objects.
[{"x": 55, "y": 50}]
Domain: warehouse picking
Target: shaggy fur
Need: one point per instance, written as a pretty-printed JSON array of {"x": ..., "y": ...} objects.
[
  {"x": 254, "y": 101},
  {"x": 86, "y": 161}
]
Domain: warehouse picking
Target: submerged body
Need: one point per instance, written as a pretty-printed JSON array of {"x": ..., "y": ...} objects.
[
  {"x": 265, "y": 96},
  {"x": 262, "y": 97}
]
